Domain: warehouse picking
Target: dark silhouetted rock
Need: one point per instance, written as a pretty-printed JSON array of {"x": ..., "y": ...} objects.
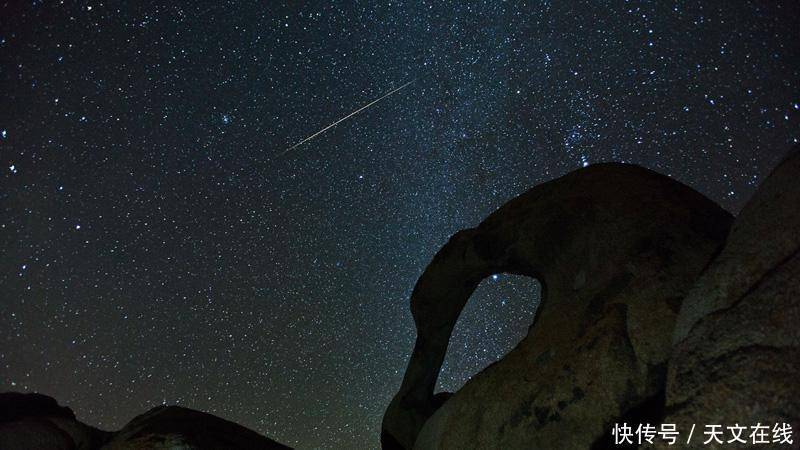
[
  {"x": 16, "y": 405},
  {"x": 34, "y": 434},
  {"x": 167, "y": 427},
  {"x": 37, "y": 422},
  {"x": 615, "y": 247},
  {"x": 737, "y": 339}
]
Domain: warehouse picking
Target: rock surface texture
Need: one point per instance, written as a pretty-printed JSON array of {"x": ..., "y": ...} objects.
[
  {"x": 37, "y": 422},
  {"x": 616, "y": 248},
  {"x": 737, "y": 339}
]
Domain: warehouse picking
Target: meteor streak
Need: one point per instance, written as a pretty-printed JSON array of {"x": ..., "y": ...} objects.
[{"x": 344, "y": 118}]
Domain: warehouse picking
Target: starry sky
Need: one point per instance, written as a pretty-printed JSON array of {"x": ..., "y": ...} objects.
[{"x": 157, "y": 247}]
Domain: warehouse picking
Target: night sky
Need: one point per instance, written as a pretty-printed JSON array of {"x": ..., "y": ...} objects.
[{"x": 156, "y": 247}]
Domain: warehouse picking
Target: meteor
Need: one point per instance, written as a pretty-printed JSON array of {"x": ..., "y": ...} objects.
[{"x": 344, "y": 118}]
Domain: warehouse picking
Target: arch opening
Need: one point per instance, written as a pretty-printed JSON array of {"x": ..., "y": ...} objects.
[{"x": 496, "y": 317}]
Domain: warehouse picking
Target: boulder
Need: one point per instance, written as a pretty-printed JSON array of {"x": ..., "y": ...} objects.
[
  {"x": 616, "y": 248},
  {"x": 35, "y": 421},
  {"x": 737, "y": 339},
  {"x": 34, "y": 434},
  {"x": 18, "y": 405},
  {"x": 171, "y": 427}
]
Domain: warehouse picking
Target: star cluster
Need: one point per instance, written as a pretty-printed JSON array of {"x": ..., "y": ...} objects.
[{"x": 156, "y": 247}]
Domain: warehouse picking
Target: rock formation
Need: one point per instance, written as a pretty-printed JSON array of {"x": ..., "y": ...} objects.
[
  {"x": 656, "y": 307},
  {"x": 37, "y": 422},
  {"x": 616, "y": 248},
  {"x": 174, "y": 426},
  {"x": 737, "y": 339}
]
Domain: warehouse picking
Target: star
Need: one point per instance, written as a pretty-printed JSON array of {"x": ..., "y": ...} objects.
[{"x": 165, "y": 121}]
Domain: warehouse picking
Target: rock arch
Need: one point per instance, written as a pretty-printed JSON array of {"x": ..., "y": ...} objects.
[{"x": 611, "y": 245}]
